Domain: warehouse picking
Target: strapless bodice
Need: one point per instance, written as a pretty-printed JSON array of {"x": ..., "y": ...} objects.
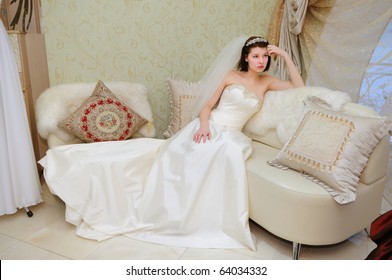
[{"x": 236, "y": 105}]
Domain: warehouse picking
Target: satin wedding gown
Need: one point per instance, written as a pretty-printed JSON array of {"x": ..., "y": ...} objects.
[
  {"x": 19, "y": 181},
  {"x": 173, "y": 192}
]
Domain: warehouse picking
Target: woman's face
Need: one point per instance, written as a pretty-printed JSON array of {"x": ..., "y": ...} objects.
[{"x": 257, "y": 59}]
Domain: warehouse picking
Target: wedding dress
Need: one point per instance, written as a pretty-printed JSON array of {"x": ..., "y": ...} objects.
[
  {"x": 19, "y": 181},
  {"x": 173, "y": 192}
]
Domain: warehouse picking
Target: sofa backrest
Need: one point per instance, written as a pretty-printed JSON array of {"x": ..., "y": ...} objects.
[{"x": 282, "y": 111}]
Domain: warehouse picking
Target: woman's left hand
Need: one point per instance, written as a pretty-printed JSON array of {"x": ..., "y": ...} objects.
[{"x": 274, "y": 50}]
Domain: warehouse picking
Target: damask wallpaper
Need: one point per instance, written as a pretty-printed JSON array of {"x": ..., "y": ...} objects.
[{"x": 145, "y": 41}]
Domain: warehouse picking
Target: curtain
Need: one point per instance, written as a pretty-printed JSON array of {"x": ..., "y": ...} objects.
[
  {"x": 330, "y": 41},
  {"x": 338, "y": 40},
  {"x": 287, "y": 25},
  {"x": 376, "y": 89}
]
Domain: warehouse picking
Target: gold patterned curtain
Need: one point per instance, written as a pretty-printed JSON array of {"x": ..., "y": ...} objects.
[{"x": 284, "y": 30}]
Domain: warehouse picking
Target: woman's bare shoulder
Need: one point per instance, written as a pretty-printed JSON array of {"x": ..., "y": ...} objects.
[{"x": 234, "y": 76}]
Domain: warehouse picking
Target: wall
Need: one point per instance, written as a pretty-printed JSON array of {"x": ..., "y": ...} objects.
[{"x": 144, "y": 41}]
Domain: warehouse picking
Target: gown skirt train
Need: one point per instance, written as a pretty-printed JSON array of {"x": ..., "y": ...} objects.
[{"x": 173, "y": 192}]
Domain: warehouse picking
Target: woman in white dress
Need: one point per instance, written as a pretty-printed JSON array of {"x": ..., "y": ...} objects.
[
  {"x": 189, "y": 190},
  {"x": 19, "y": 181}
]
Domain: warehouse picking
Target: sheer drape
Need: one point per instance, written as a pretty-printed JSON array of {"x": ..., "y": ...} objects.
[
  {"x": 386, "y": 109},
  {"x": 338, "y": 41},
  {"x": 376, "y": 89},
  {"x": 334, "y": 38}
]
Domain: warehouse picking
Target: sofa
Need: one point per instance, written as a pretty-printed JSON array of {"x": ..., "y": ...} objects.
[
  {"x": 292, "y": 207},
  {"x": 286, "y": 201}
]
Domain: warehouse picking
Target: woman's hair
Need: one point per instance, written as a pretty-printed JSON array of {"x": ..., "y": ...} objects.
[{"x": 252, "y": 42}]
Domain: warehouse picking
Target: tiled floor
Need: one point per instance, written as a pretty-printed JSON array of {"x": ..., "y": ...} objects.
[{"x": 46, "y": 236}]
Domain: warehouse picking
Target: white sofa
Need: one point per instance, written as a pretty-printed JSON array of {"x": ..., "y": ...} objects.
[
  {"x": 282, "y": 201},
  {"x": 299, "y": 210}
]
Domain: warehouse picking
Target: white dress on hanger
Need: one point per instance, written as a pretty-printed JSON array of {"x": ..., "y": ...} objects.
[
  {"x": 19, "y": 181},
  {"x": 174, "y": 192}
]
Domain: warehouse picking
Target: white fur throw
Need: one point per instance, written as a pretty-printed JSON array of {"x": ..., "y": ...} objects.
[
  {"x": 58, "y": 102},
  {"x": 282, "y": 110}
]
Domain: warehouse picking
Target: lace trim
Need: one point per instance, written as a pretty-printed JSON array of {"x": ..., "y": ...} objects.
[{"x": 248, "y": 93}]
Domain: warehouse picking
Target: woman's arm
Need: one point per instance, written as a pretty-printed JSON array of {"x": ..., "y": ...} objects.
[
  {"x": 203, "y": 133},
  {"x": 295, "y": 76}
]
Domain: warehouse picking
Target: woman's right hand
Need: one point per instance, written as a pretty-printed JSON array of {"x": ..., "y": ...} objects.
[{"x": 202, "y": 134}]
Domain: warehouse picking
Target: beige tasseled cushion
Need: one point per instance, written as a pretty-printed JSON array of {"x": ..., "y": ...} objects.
[
  {"x": 183, "y": 95},
  {"x": 332, "y": 148}
]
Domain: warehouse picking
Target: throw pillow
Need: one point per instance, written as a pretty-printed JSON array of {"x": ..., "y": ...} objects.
[
  {"x": 103, "y": 117},
  {"x": 183, "y": 94},
  {"x": 332, "y": 148}
]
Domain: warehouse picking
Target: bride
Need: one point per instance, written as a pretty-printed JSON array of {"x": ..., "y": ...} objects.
[{"x": 189, "y": 190}]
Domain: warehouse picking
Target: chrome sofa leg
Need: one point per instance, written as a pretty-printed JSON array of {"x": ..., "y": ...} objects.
[{"x": 296, "y": 250}]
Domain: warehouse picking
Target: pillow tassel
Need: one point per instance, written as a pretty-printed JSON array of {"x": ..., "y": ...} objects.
[{"x": 275, "y": 163}]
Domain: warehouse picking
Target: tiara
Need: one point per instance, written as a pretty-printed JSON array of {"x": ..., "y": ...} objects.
[{"x": 256, "y": 40}]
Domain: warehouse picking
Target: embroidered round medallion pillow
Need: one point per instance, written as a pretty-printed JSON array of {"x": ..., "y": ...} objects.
[{"x": 103, "y": 117}]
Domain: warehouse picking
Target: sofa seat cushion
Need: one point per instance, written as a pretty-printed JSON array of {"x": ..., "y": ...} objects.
[{"x": 290, "y": 180}]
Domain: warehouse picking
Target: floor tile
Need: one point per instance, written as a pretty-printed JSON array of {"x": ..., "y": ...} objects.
[
  {"x": 122, "y": 247},
  {"x": 266, "y": 243},
  {"x": 23, "y": 251},
  {"x": 61, "y": 239},
  {"x": 356, "y": 247},
  {"x": 19, "y": 225},
  {"x": 214, "y": 254},
  {"x": 6, "y": 242}
]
